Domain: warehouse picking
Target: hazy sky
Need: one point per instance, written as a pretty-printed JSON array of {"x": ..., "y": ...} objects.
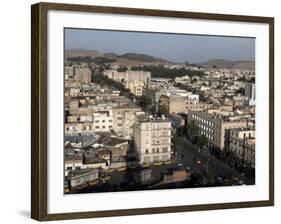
[{"x": 174, "y": 47}]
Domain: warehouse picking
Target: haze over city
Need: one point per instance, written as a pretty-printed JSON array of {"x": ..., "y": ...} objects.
[{"x": 173, "y": 47}]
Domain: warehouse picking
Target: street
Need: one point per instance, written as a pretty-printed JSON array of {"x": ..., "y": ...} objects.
[{"x": 187, "y": 154}]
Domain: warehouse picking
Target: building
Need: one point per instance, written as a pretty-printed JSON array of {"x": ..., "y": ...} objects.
[
  {"x": 124, "y": 117},
  {"x": 80, "y": 177},
  {"x": 250, "y": 92},
  {"x": 242, "y": 142},
  {"x": 83, "y": 75},
  {"x": 152, "y": 139},
  {"x": 214, "y": 126},
  {"x": 135, "y": 86},
  {"x": 103, "y": 121},
  {"x": 68, "y": 72},
  {"x": 72, "y": 162},
  {"x": 180, "y": 104},
  {"x": 129, "y": 75}
]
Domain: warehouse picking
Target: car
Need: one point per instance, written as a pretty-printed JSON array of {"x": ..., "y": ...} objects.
[
  {"x": 145, "y": 164},
  {"x": 82, "y": 186},
  {"x": 133, "y": 166},
  {"x": 93, "y": 182},
  {"x": 180, "y": 164},
  {"x": 105, "y": 178},
  {"x": 167, "y": 162},
  {"x": 187, "y": 168},
  {"x": 198, "y": 161},
  {"x": 235, "y": 178},
  {"x": 123, "y": 168},
  {"x": 220, "y": 179},
  {"x": 110, "y": 170},
  {"x": 157, "y": 163},
  {"x": 240, "y": 182}
]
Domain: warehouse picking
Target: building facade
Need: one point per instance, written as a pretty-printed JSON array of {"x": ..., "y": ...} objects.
[
  {"x": 180, "y": 104},
  {"x": 129, "y": 75},
  {"x": 242, "y": 142},
  {"x": 124, "y": 118},
  {"x": 250, "y": 92},
  {"x": 214, "y": 126},
  {"x": 152, "y": 139}
]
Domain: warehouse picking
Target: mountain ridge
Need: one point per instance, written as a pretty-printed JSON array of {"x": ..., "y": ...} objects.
[{"x": 134, "y": 59}]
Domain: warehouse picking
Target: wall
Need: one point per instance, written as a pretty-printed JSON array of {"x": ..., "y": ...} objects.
[{"x": 15, "y": 95}]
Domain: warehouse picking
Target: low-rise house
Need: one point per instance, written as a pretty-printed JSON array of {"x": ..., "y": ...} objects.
[
  {"x": 176, "y": 175},
  {"x": 94, "y": 162},
  {"x": 72, "y": 162},
  {"x": 79, "y": 177}
]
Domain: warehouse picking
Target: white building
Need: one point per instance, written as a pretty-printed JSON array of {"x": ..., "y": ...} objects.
[
  {"x": 129, "y": 75},
  {"x": 152, "y": 139},
  {"x": 103, "y": 121}
]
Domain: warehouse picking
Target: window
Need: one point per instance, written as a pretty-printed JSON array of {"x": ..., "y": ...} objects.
[
  {"x": 97, "y": 127},
  {"x": 165, "y": 149},
  {"x": 146, "y": 151}
]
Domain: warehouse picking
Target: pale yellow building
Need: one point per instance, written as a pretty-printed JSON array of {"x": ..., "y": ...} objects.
[
  {"x": 179, "y": 104},
  {"x": 135, "y": 86},
  {"x": 152, "y": 140},
  {"x": 124, "y": 117}
]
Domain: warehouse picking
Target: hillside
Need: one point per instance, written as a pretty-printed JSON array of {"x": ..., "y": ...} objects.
[
  {"x": 221, "y": 63},
  {"x": 131, "y": 59}
]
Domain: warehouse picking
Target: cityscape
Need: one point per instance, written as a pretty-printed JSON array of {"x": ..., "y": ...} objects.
[{"x": 150, "y": 111}]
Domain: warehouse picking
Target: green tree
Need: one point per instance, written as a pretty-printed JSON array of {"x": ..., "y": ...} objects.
[
  {"x": 202, "y": 141},
  {"x": 192, "y": 130}
]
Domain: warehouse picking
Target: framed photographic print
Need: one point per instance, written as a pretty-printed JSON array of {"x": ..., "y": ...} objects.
[{"x": 139, "y": 111}]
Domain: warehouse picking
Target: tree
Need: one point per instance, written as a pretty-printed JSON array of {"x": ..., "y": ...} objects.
[
  {"x": 202, "y": 179},
  {"x": 144, "y": 101},
  {"x": 202, "y": 141},
  {"x": 163, "y": 110},
  {"x": 192, "y": 130}
]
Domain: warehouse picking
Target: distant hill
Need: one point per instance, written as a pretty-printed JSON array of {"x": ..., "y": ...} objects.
[
  {"x": 81, "y": 52},
  {"x": 221, "y": 63},
  {"x": 141, "y": 57},
  {"x": 135, "y": 59},
  {"x": 131, "y": 59}
]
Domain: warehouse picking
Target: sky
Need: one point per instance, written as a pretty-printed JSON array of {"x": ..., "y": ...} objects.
[{"x": 173, "y": 47}]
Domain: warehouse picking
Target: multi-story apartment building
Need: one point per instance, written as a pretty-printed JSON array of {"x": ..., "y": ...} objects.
[
  {"x": 242, "y": 142},
  {"x": 214, "y": 126},
  {"x": 129, "y": 75},
  {"x": 179, "y": 104},
  {"x": 250, "y": 92},
  {"x": 98, "y": 121},
  {"x": 135, "y": 86},
  {"x": 83, "y": 75},
  {"x": 124, "y": 117},
  {"x": 103, "y": 121},
  {"x": 68, "y": 72},
  {"x": 152, "y": 139}
]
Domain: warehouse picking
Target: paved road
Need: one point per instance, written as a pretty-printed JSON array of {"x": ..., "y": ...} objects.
[{"x": 188, "y": 153}]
